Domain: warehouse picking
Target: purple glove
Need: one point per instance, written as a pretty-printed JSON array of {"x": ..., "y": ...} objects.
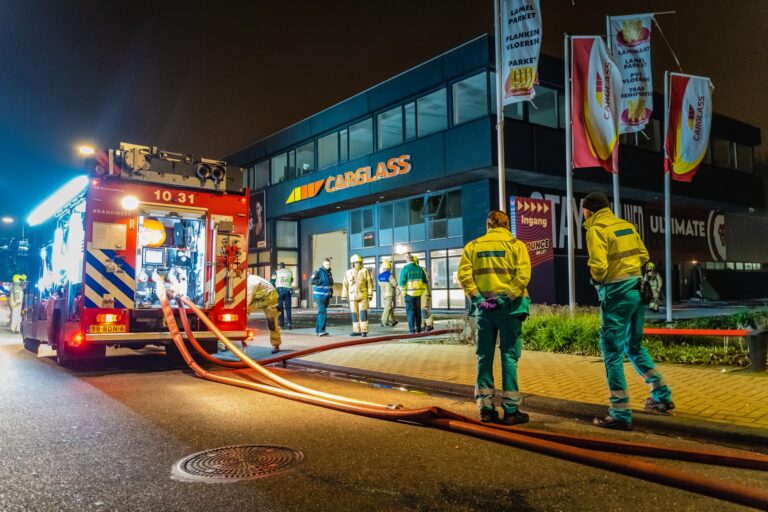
[{"x": 488, "y": 304}]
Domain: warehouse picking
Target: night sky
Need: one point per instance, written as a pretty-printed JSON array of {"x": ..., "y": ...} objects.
[{"x": 208, "y": 80}]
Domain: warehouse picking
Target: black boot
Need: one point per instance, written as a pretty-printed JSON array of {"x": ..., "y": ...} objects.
[
  {"x": 515, "y": 418},
  {"x": 611, "y": 423},
  {"x": 489, "y": 415}
]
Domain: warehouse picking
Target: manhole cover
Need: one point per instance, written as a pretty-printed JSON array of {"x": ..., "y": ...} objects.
[{"x": 235, "y": 463}]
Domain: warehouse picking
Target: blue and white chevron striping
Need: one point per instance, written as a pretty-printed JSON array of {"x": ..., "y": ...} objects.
[{"x": 98, "y": 282}]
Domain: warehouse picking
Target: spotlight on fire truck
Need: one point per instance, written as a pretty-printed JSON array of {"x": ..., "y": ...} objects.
[
  {"x": 61, "y": 197},
  {"x": 129, "y": 203},
  {"x": 218, "y": 174},
  {"x": 203, "y": 171}
]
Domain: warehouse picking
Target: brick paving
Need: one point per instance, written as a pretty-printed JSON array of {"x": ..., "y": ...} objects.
[{"x": 700, "y": 392}]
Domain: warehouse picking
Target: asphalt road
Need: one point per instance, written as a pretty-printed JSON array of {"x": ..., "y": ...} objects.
[{"x": 106, "y": 438}]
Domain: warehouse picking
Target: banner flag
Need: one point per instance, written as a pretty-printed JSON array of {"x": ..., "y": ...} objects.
[
  {"x": 631, "y": 43},
  {"x": 520, "y": 43},
  {"x": 688, "y": 124},
  {"x": 595, "y": 92}
]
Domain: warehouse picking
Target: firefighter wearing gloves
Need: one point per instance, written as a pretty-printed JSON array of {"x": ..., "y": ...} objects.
[
  {"x": 262, "y": 295},
  {"x": 616, "y": 257},
  {"x": 494, "y": 272},
  {"x": 357, "y": 287},
  {"x": 654, "y": 281},
  {"x": 389, "y": 291}
]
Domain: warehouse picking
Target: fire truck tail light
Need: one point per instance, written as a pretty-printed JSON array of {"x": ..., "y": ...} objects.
[
  {"x": 107, "y": 318},
  {"x": 77, "y": 339},
  {"x": 228, "y": 317},
  {"x": 250, "y": 334}
]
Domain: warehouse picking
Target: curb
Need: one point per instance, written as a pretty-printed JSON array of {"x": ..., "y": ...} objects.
[{"x": 755, "y": 438}]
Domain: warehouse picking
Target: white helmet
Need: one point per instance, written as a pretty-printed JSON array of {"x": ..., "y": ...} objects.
[{"x": 355, "y": 259}]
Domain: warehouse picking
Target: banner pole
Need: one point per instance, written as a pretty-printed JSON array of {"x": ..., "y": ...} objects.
[
  {"x": 667, "y": 207},
  {"x": 614, "y": 175},
  {"x": 569, "y": 176},
  {"x": 500, "y": 109}
]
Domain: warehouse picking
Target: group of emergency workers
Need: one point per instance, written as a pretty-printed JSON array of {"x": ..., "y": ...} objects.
[{"x": 494, "y": 272}]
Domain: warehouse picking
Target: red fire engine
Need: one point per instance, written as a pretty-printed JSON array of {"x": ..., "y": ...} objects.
[{"x": 105, "y": 239}]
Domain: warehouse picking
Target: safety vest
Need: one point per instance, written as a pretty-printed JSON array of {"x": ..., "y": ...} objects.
[
  {"x": 322, "y": 284},
  {"x": 616, "y": 252},
  {"x": 494, "y": 265},
  {"x": 283, "y": 278},
  {"x": 413, "y": 280}
]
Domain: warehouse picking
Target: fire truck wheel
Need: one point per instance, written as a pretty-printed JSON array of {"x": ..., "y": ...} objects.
[
  {"x": 63, "y": 357},
  {"x": 31, "y": 345}
]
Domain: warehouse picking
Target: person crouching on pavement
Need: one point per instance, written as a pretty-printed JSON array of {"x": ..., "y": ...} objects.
[
  {"x": 322, "y": 290},
  {"x": 389, "y": 291},
  {"x": 262, "y": 295},
  {"x": 413, "y": 284},
  {"x": 494, "y": 272},
  {"x": 357, "y": 287},
  {"x": 616, "y": 256}
]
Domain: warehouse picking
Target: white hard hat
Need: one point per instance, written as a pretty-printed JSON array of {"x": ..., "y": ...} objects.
[{"x": 355, "y": 259}]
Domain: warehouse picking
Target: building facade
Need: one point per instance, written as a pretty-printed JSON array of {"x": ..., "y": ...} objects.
[{"x": 409, "y": 165}]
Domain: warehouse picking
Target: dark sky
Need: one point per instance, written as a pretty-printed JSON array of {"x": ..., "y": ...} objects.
[{"x": 209, "y": 79}]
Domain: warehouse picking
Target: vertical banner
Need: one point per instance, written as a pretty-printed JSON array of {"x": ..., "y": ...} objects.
[
  {"x": 257, "y": 223},
  {"x": 631, "y": 43},
  {"x": 595, "y": 92},
  {"x": 531, "y": 222},
  {"x": 520, "y": 43},
  {"x": 688, "y": 124}
]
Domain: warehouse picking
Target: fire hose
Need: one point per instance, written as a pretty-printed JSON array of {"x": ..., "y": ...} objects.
[{"x": 556, "y": 445}]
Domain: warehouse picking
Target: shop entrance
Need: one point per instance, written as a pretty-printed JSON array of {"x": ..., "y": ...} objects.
[{"x": 333, "y": 246}]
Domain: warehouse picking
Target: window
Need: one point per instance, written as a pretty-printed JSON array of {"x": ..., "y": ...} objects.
[
  {"x": 390, "y": 127},
  {"x": 361, "y": 138},
  {"x": 279, "y": 168},
  {"x": 410, "y": 120},
  {"x": 343, "y": 145},
  {"x": 470, "y": 98},
  {"x": 446, "y": 290},
  {"x": 444, "y": 212},
  {"x": 543, "y": 111},
  {"x": 721, "y": 153},
  {"x": 328, "y": 150},
  {"x": 258, "y": 175},
  {"x": 416, "y": 220},
  {"x": 305, "y": 158},
  {"x": 287, "y": 234},
  {"x": 401, "y": 222},
  {"x": 511, "y": 111},
  {"x": 361, "y": 229},
  {"x": 386, "y": 223},
  {"x": 744, "y": 158},
  {"x": 432, "y": 112}
]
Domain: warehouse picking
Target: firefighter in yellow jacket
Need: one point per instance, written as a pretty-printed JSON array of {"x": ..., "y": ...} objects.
[
  {"x": 616, "y": 257},
  {"x": 262, "y": 295},
  {"x": 494, "y": 271},
  {"x": 357, "y": 287}
]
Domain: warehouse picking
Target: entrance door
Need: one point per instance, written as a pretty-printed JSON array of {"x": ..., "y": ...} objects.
[{"x": 333, "y": 246}]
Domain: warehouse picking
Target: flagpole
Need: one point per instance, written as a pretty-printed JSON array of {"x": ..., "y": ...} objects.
[
  {"x": 615, "y": 174},
  {"x": 500, "y": 110},
  {"x": 569, "y": 176},
  {"x": 667, "y": 207}
]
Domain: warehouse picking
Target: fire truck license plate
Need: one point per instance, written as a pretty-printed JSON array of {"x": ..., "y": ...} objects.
[{"x": 104, "y": 329}]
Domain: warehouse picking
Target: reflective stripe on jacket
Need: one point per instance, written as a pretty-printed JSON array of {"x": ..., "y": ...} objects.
[
  {"x": 413, "y": 280},
  {"x": 495, "y": 264},
  {"x": 357, "y": 284},
  {"x": 283, "y": 278},
  {"x": 322, "y": 284},
  {"x": 260, "y": 293},
  {"x": 616, "y": 252}
]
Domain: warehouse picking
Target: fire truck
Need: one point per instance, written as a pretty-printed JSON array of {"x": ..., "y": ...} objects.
[{"x": 138, "y": 216}]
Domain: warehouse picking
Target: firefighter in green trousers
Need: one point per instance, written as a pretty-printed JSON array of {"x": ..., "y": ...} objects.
[
  {"x": 494, "y": 271},
  {"x": 616, "y": 257}
]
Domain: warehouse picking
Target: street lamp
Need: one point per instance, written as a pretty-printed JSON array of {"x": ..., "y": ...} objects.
[
  {"x": 7, "y": 220},
  {"x": 86, "y": 150}
]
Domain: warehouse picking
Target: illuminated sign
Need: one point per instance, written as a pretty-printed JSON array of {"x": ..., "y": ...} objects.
[{"x": 361, "y": 176}]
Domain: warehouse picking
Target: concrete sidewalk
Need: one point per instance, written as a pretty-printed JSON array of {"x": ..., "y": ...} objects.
[{"x": 725, "y": 396}]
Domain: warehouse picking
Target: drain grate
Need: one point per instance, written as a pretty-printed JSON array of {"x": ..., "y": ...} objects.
[{"x": 235, "y": 463}]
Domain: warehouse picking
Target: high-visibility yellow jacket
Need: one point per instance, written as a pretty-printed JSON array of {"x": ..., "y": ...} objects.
[
  {"x": 494, "y": 265},
  {"x": 616, "y": 252},
  {"x": 413, "y": 280},
  {"x": 357, "y": 284}
]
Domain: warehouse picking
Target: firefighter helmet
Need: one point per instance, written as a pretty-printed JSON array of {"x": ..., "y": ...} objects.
[
  {"x": 415, "y": 259},
  {"x": 388, "y": 264},
  {"x": 355, "y": 259},
  {"x": 651, "y": 266}
]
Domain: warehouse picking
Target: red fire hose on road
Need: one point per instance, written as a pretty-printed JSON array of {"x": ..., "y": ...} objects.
[{"x": 441, "y": 418}]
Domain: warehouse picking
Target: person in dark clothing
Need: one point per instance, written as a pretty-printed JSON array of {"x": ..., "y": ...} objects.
[{"x": 322, "y": 291}]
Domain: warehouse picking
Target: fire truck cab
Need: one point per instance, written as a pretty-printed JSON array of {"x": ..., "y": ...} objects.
[{"x": 138, "y": 216}]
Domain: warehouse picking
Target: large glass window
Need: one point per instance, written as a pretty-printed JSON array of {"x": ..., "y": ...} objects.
[
  {"x": 361, "y": 138},
  {"x": 416, "y": 219},
  {"x": 343, "y": 145},
  {"x": 543, "y": 111},
  {"x": 328, "y": 150},
  {"x": 401, "y": 222},
  {"x": 410, "y": 120},
  {"x": 258, "y": 175},
  {"x": 511, "y": 111},
  {"x": 443, "y": 213},
  {"x": 287, "y": 234},
  {"x": 722, "y": 153},
  {"x": 386, "y": 223},
  {"x": 305, "y": 158},
  {"x": 390, "y": 127},
  {"x": 361, "y": 229},
  {"x": 279, "y": 168},
  {"x": 446, "y": 290},
  {"x": 432, "y": 112},
  {"x": 470, "y": 98},
  {"x": 744, "y": 158}
]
